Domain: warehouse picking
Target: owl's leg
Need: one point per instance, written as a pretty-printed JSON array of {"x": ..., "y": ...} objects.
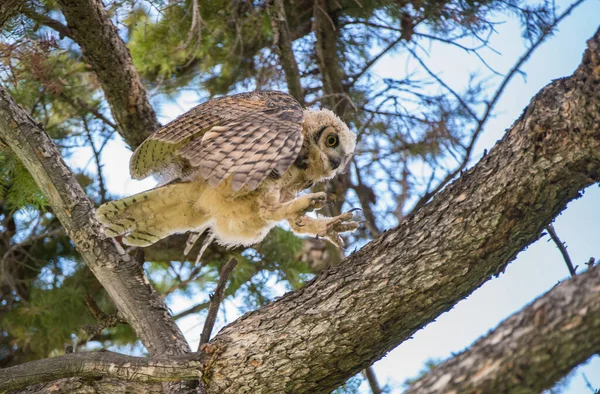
[
  {"x": 148, "y": 217},
  {"x": 329, "y": 228},
  {"x": 274, "y": 210}
]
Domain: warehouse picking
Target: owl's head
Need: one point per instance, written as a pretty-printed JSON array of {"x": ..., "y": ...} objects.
[{"x": 328, "y": 144}]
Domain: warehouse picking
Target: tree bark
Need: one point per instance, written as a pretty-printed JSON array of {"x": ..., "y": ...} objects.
[
  {"x": 8, "y": 9},
  {"x": 311, "y": 340},
  {"x": 283, "y": 40},
  {"x": 532, "y": 349},
  {"x": 351, "y": 315},
  {"x": 121, "y": 276},
  {"x": 102, "y": 47}
]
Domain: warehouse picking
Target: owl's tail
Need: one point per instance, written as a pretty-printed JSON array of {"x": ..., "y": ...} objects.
[{"x": 150, "y": 216}]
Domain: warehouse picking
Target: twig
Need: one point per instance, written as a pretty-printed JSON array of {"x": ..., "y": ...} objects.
[
  {"x": 215, "y": 301},
  {"x": 562, "y": 248},
  {"x": 104, "y": 320},
  {"x": 45, "y": 20},
  {"x": 369, "y": 373},
  {"x": 481, "y": 122},
  {"x": 589, "y": 385},
  {"x": 374, "y": 60},
  {"x": 96, "y": 152}
]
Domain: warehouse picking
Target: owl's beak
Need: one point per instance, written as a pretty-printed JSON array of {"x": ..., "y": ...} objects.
[
  {"x": 346, "y": 165},
  {"x": 335, "y": 162}
]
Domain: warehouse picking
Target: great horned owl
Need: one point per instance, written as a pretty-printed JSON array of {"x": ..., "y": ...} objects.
[{"x": 234, "y": 166}]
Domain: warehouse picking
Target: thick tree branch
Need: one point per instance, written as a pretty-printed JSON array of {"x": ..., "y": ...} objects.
[
  {"x": 352, "y": 314},
  {"x": 8, "y": 9},
  {"x": 121, "y": 276},
  {"x": 104, "y": 364},
  {"x": 530, "y": 351},
  {"x": 102, "y": 47}
]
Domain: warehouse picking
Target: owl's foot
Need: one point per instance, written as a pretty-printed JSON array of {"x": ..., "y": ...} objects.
[
  {"x": 339, "y": 224},
  {"x": 328, "y": 228}
]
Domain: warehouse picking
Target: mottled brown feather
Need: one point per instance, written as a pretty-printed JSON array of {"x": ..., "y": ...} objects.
[{"x": 246, "y": 136}]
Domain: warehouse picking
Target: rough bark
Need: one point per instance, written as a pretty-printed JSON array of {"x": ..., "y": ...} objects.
[
  {"x": 92, "y": 386},
  {"x": 121, "y": 276},
  {"x": 311, "y": 340},
  {"x": 532, "y": 349},
  {"x": 283, "y": 40},
  {"x": 103, "y": 364},
  {"x": 352, "y": 314},
  {"x": 102, "y": 47},
  {"x": 8, "y": 9}
]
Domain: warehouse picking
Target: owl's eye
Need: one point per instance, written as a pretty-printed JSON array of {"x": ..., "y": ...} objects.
[{"x": 332, "y": 141}]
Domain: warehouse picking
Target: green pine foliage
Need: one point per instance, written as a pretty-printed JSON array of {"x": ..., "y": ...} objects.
[{"x": 17, "y": 187}]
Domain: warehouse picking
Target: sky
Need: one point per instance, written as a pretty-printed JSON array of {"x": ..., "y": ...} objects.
[{"x": 535, "y": 271}]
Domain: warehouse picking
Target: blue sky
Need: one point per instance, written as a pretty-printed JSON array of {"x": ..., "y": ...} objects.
[{"x": 534, "y": 271}]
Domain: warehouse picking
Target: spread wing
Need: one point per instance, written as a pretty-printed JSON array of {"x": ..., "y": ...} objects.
[{"x": 246, "y": 136}]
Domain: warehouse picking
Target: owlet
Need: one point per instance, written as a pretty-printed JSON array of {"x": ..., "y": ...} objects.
[{"x": 234, "y": 166}]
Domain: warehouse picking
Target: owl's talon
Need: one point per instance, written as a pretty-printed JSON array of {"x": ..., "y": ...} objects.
[{"x": 355, "y": 210}]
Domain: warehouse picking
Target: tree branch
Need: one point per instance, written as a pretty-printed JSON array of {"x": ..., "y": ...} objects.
[
  {"x": 104, "y": 364},
  {"x": 8, "y": 9},
  {"x": 307, "y": 341},
  {"x": 283, "y": 40},
  {"x": 120, "y": 275},
  {"x": 102, "y": 47},
  {"x": 215, "y": 301},
  {"x": 562, "y": 248},
  {"x": 532, "y": 349}
]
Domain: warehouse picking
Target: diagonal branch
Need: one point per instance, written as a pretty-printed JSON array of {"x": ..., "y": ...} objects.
[
  {"x": 102, "y": 47},
  {"x": 410, "y": 275},
  {"x": 530, "y": 350},
  {"x": 121, "y": 276},
  {"x": 215, "y": 301},
  {"x": 562, "y": 248}
]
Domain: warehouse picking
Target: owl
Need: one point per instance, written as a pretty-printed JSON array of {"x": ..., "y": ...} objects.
[{"x": 234, "y": 166}]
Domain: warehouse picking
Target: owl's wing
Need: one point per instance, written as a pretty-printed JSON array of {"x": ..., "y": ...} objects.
[{"x": 247, "y": 135}]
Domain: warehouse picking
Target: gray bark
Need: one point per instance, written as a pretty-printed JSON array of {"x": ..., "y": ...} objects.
[
  {"x": 532, "y": 349},
  {"x": 101, "y": 365}
]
